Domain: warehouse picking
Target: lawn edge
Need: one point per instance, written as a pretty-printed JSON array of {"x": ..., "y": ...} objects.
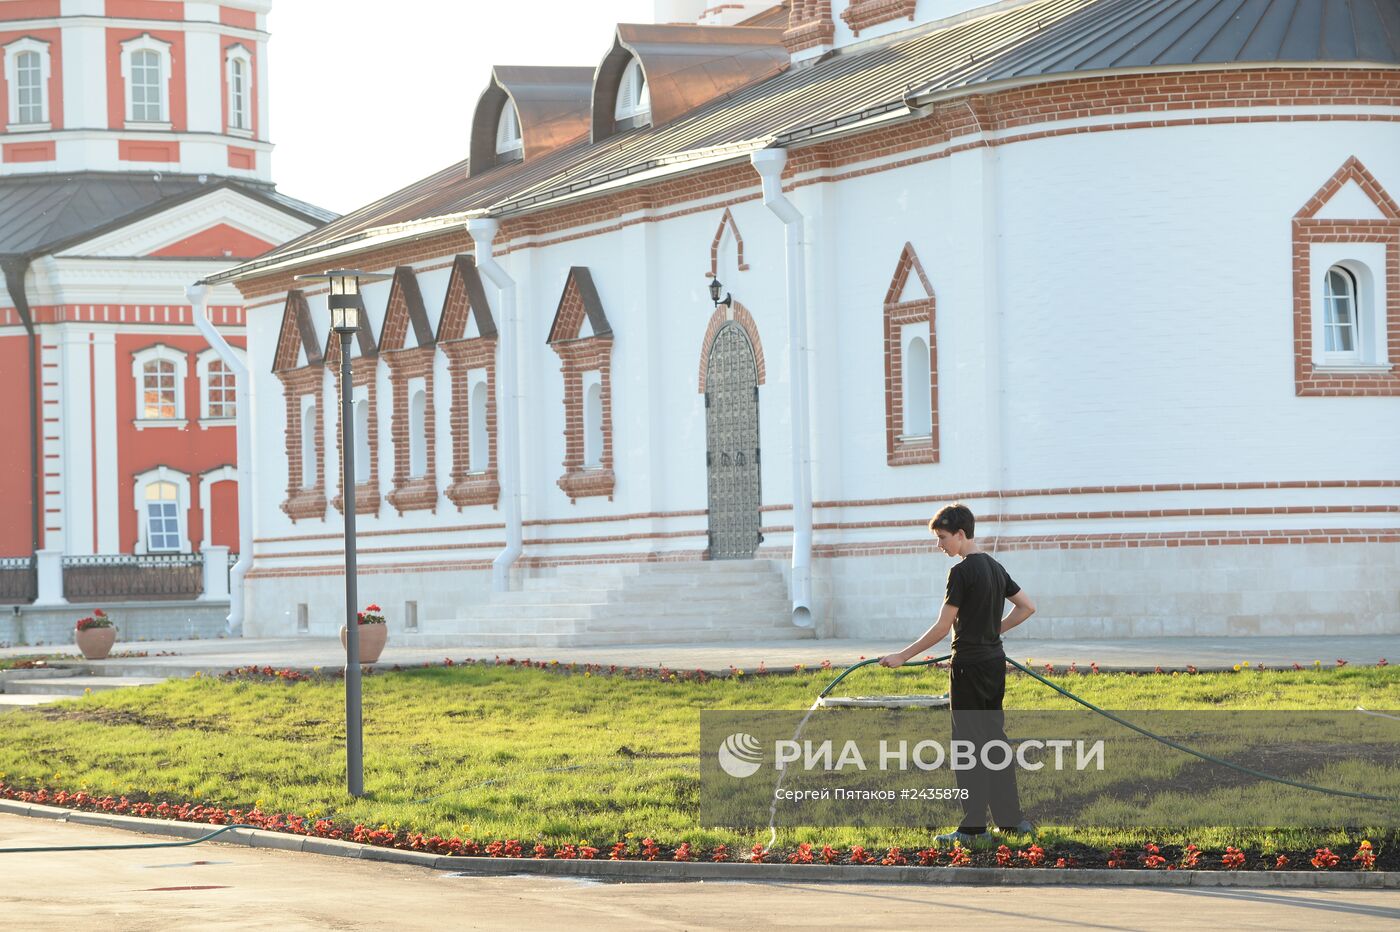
[{"x": 684, "y": 871}]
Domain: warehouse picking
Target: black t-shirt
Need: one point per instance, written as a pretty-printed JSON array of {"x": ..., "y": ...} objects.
[{"x": 977, "y": 587}]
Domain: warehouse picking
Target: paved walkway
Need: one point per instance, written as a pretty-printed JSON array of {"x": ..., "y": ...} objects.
[
  {"x": 233, "y": 887},
  {"x": 215, "y": 656}
]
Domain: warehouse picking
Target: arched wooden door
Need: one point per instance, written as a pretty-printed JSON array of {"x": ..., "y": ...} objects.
[{"x": 732, "y": 449}]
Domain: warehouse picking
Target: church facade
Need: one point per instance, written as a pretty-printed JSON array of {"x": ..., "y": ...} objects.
[{"x": 700, "y": 335}]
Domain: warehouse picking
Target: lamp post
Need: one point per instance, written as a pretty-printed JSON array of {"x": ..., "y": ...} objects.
[{"x": 347, "y": 307}]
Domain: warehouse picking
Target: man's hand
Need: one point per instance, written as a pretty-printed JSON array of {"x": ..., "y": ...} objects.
[{"x": 894, "y": 660}]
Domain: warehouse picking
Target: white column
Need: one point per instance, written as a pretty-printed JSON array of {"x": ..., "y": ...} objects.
[
  {"x": 204, "y": 63},
  {"x": 78, "y": 464},
  {"x": 50, "y": 577},
  {"x": 104, "y": 378},
  {"x": 84, "y": 68},
  {"x": 215, "y": 574}
]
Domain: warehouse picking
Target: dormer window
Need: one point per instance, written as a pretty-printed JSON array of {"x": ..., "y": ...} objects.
[
  {"x": 633, "y": 107},
  {"x": 508, "y": 142}
]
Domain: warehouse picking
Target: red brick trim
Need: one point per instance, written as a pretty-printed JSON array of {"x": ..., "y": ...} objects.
[
  {"x": 727, "y": 220},
  {"x": 741, "y": 316},
  {"x": 862, "y": 14},
  {"x": 297, "y": 334},
  {"x": 303, "y": 501},
  {"x": 809, "y": 24},
  {"x": 362, "y": 373},
  {"x": 898, "y": 451},
  {"x": 1308, "y": 379},
  {"x": 468, "y": 488},
  {"x": 412, "y": 494},
  {"x": 577, "y": 356}
]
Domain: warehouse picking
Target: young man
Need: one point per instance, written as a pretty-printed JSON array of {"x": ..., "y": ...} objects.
[{"x": 972, "y": 609}]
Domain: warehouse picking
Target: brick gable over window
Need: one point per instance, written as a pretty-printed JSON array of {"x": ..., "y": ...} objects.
[
  {"x": 297, "y": 363},
  {"x": 363, "y": 368},
  {"x": 467, "y": 335},
  {"x": 1383, "y": 229},
  {"x": 579, "y": 354},
  {"x": 809, "y": 24},
  {"x": 862, "y": 14},
  {"x": 406, "y": 364},
  {"x": 909, "y": 302}
]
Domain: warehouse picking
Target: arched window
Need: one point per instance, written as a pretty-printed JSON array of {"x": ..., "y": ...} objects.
[
  {"x": 508, "y": 141},
  {"x": 918, "y": 416},
  {"x": 479, "y": 451},
  {"x": 361, "y": 409},
  {"x": 1339, "y": 298},
  {"x": 162, "y": 518},
  {"x": 30, "y": 90},
  {"x": 633, "y": 107},
  {"x": 418, "y": 434},
  {"x": 158, "y": 394},
  {"x": 219, "y": 391},
  {"x": 593, "y": 425},
  {"x": 238, "y": 93},
  {"x": 147, "y": 91},
  {"x": 308, "y": 442}
]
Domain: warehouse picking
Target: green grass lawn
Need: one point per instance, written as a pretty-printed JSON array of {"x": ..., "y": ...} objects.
[{"x": 486, "y": 752}]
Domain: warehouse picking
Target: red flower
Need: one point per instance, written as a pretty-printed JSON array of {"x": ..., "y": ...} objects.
[
  {"x": 650, "y": 849},
  {"x": 960, "y": 858},
  {"x": 619, "y": 852},
  {"x": 756, "y": 854},
  {"x": 1034, "y": 855},
  {"x": 1341, "y": 663},
  {"x": 1323, "y": 859},
  {"x": 1003, "y": 856},
  {"x": 1366, "y": 856},
  {"x": 803, "y": 855},
  {"x": 830, "y": 855},
  {"x": 682, "y": 853},
  {"x": 858, "y": 856},
  {"x": 1117, "y": 857},
  {"x": 1190, "y": 856},
  {"x": 1233, "y": 859},
  {"x": 928, "y": 857},
  {"x": 1067, "y": 862},
  {"x": 893, "y": 858},
  {"x": 720, "y": 853}
]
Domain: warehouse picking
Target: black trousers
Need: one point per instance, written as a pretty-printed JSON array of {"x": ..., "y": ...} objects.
[{"x": 978, "y": 688}]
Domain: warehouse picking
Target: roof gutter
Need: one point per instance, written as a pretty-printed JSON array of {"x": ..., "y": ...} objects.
[{"x": 16, "y": 268}]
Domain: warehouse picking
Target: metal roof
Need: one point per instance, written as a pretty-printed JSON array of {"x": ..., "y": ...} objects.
[
  {"x": 848, "y": 89},
  {"x": 1128, "y": 34},
  {"x": 44, "y": 213}
]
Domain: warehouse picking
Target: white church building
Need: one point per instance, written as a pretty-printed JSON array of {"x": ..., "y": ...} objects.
[{"x": 1121, "y": 275}]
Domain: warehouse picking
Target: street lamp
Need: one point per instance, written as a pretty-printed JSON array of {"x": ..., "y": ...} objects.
[
  {"x": 715, "y": 289},
  {"x": 347, "y": 307}
]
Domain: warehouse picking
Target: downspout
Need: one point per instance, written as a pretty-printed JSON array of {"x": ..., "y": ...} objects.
[
  {"x": 15, "y": 269},
  {"x": 199, "y": 298},
  {"x": 769, "y": 164},
  {"x": 483, "y": 231}
]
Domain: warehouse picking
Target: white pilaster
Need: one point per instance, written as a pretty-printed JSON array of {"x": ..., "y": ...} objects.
[
  {"x": 203, "y": 79},
  {"x": 104, "y": 377},
  {"x": 84, "y": 77},
  {"x": 215, "y": 574},
  {"x": 77, "y": 441}
]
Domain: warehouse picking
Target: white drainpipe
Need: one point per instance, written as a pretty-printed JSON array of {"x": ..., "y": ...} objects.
[
  {"x": 199, "y": 297},
  {"x": 483, "y": 231},
  {"x": 769, "y": 163}
]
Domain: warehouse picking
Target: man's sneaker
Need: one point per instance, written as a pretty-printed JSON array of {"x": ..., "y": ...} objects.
[
  {"x": 953, "y": 838},
  {"x": 1024, "y": 827}
]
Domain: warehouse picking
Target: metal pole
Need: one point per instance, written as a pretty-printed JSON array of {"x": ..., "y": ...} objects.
[{"x": 354, "y": 746}]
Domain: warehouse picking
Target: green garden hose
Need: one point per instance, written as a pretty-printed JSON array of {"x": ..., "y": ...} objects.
[
  {"x": 1139, "y": 729},
  {"x": 152, "y": 844}
]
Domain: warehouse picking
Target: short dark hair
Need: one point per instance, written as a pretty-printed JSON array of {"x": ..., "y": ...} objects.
[{"x": 953, "y": 518}]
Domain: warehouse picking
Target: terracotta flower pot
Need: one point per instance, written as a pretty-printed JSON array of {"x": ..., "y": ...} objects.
[
  {"x": 372, "y": 638},
  {"x": 96, "y": 643}
]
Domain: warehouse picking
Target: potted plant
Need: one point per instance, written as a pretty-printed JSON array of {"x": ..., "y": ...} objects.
[
  {"x": 373, "y": 633},
  {"x": 95, "y": 635}
]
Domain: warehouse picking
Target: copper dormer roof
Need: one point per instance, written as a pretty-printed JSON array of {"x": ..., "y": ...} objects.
[
  {"x": 685, "y": 67},
  {"x": 552, "y": 104}
]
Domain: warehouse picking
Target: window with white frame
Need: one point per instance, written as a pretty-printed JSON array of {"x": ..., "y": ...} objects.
[
  {"x": 1339, "y": 301},
  {"x": 159, "y": 372},
  {"x": 308, "y": 442},
  {"x": 27, "y": 74},
  {"x": 162, "y": 499},
  {"x": 146, "y": 71},
  {"x": 508, "y": 142},
  {"x": 592, "y": 419},
  {"x": 1348, "y": 330},
  {"x": 633, "y": 107},
  {"x": 918, "y": 413},
  {"x": 217, "y": 388},
  {"x": 239, "y": 76},
  {"x": 417, "y": 434},
  {"x": 479, "y": 452}
]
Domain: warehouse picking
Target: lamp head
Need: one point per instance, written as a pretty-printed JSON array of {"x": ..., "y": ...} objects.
[{"x": 346, "y": 303}]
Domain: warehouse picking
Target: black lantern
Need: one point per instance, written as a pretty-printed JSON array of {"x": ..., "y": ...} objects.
[{"x": 715, "y": 288}]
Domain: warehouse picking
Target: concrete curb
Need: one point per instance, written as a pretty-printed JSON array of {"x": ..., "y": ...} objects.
[{"x": 674, "y": 871}]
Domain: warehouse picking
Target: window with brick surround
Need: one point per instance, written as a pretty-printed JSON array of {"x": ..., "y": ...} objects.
[
  {"x": 1346, "y": 288},
  {"x": 467, "y": 335},
  {"x": 27, "y": 69},
  {"x": 911, "y": 365},
  {"x": 297, "y": 363},
  {"x": 586, "y": 364},
  {"x": 364, "y": 366},
  {"x": 408, "y": 346}
]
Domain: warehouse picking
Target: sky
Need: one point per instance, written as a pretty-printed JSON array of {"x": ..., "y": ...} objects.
[{"x": 367, "y": 97}]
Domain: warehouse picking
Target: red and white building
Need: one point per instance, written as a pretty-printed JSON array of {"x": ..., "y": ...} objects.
[
  {"x": 1124, "y": 275},
  {"x": 134, "y": 160}
]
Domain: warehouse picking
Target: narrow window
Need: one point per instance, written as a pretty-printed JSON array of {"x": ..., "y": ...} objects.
[
  {"x": 593, "y": 426},
  {"x": 1340, "y": 300},
  {"x": 508, "y": 142},
  {"x": 238, "y": 93},
  {"x": 158, "y": 390},
  {"x": 417, "y": 434},
  {"x": 219, "y": 384},
  {"x": 361, "y": 440},
  {"x": 29, "y": 81},
  {"x": 162, "y": 517},
  {"x": 308, "y": 442},
  {"x": 918, "y": 419},
  {"x": 633, "y": 107},
  {"x": 147, "y": 104},
  {"x": 478, "y": 449}
]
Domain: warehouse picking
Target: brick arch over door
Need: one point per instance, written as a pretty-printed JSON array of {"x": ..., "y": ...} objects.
[{"x": 741, "y": 316}]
